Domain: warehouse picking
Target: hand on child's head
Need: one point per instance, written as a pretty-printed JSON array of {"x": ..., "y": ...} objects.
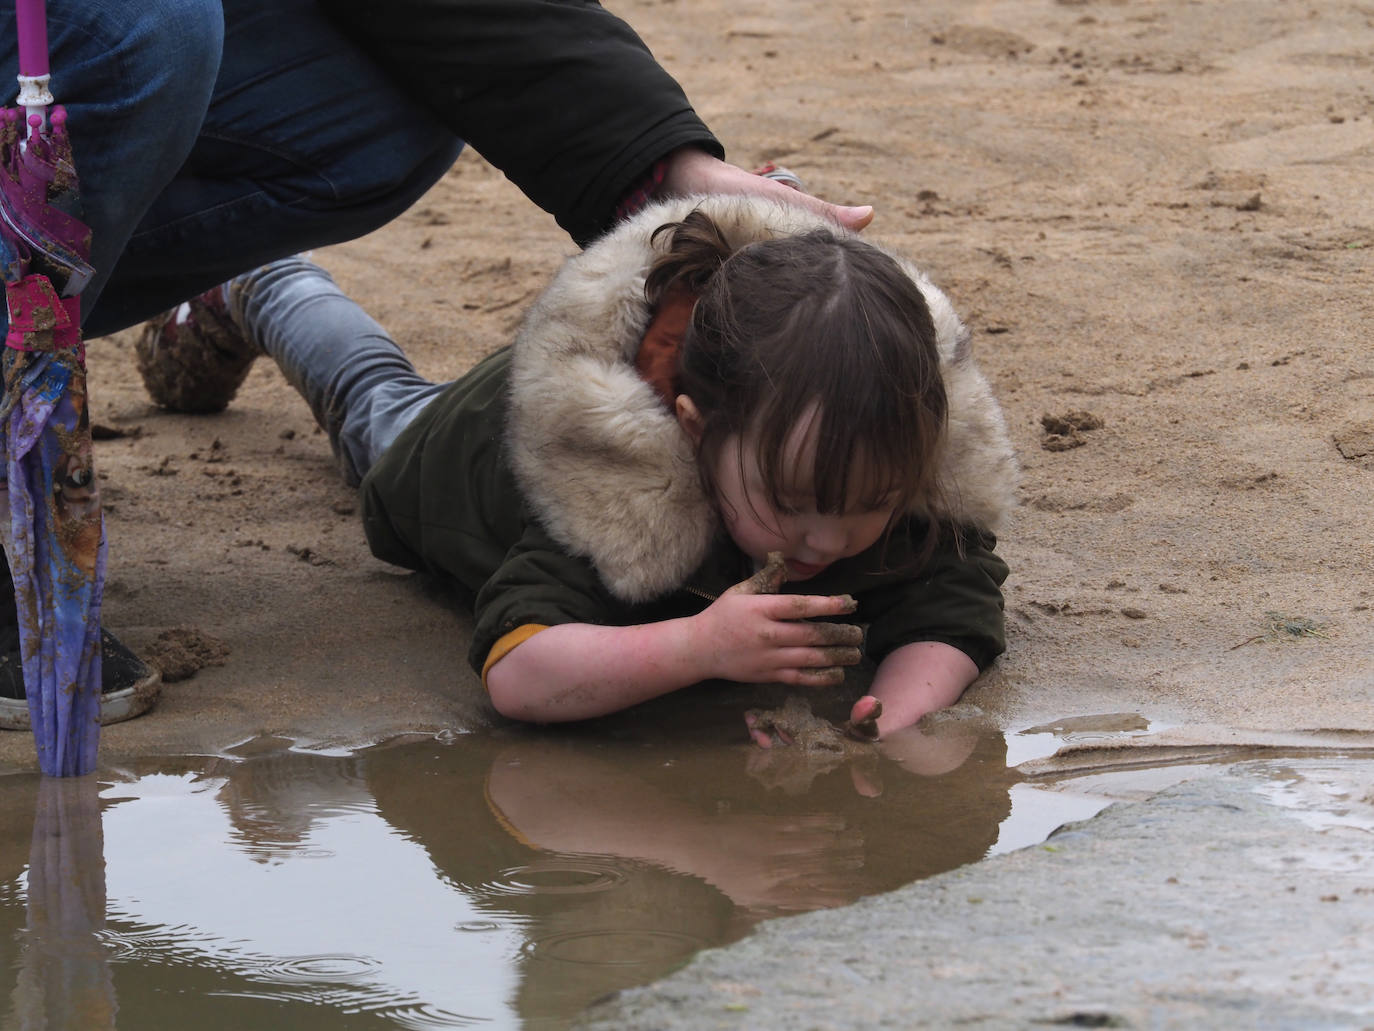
[{"x": 691, "y": 170}]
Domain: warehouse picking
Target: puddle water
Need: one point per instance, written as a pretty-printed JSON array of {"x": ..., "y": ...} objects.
[{"x": 491, "y": 879}]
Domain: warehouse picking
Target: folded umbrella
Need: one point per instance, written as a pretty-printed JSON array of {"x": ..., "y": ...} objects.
[{"x": 50, "y": 516}]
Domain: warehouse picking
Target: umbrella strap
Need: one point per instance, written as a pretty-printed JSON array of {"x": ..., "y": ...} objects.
[{"x": 40, "y": 320}]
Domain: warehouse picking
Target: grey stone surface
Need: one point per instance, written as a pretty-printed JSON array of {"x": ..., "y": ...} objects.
[{"x": 1243, "y": 899}]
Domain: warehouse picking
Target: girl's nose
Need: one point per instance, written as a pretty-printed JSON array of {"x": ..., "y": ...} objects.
[{"x": 826, "y": 537}]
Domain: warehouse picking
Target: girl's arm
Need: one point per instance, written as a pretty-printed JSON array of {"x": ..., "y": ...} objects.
[
  {"x": 916, "y": 679},
  {"x": 575, "y": 671}
]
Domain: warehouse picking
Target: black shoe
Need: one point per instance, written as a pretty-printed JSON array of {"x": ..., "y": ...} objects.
[{"x": 129, "y": 686}]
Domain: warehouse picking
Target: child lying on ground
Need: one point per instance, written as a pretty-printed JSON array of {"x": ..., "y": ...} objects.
[{"x": 714, "y": 380}]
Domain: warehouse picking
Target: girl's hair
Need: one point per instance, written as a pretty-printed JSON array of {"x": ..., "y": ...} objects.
[{"x": 793, "y": 322}]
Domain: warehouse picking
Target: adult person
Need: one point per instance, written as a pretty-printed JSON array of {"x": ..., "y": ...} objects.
[{"x": 212, "y": 136}]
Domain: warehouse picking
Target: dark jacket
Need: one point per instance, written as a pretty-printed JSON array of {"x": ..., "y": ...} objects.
[
  {"x": 551, "y": 485},
  {"x": 560, "y": 95}
]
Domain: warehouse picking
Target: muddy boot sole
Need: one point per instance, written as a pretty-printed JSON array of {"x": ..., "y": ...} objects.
[{"x": 193, "y": 359}]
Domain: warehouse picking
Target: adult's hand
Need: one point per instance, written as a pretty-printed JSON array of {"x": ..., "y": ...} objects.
[{"x": 690, "y": 170}]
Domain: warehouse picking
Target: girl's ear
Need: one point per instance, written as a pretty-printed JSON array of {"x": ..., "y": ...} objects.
[{"x": 689, "y": 418}]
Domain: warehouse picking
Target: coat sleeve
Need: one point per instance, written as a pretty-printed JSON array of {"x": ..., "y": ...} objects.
[
  {"x": 956, "y": 599},
  {"x": 539, "y": 584},
  {"x": 561, "y": 95},
  {"x": 533, "y": 582}
]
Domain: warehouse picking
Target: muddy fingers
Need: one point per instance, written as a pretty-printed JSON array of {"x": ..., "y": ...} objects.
[
  {"x": 768, "y": 580},
  {"x": 837, "y": 634},
  {"x": 841, "y": 655}
]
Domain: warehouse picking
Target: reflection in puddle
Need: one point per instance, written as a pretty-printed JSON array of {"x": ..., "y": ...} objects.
[{"x": 488, "y": 879}]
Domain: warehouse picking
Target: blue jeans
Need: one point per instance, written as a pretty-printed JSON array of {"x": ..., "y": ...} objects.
[
  {"x": 361, "y": 388},
  {"x": 211, "y": 136}
]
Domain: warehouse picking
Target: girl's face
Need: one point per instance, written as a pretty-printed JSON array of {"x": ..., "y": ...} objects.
[{"x": 808, "y": 539}]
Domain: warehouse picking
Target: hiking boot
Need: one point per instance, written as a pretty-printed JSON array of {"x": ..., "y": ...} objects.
[
  {"x": 194, "y": 358},
  {"x": 129, "y": 686}
]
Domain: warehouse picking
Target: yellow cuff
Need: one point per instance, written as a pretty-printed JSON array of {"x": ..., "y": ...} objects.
[{"x": 507, "y": 644}]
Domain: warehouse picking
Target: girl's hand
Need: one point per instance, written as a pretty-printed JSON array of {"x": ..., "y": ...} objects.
[{"x": 759, "y": 638}]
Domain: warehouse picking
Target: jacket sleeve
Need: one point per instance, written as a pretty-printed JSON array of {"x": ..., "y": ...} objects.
[
  {"x": 539, "y": 584},
  {"x": 533, "y": 582},
  {"x": 956, "y": 599},
  {"x": 560, "y": 95}
]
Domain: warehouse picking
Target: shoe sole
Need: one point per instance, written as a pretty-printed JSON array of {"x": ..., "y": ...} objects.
[{"x": 115, "y": 707}]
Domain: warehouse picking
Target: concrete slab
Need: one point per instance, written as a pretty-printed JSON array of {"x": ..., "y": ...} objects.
[{"x": 1240, "y": 899}]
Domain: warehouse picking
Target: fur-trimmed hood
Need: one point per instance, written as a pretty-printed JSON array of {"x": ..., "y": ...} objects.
[{"x": 605, "y": 466}]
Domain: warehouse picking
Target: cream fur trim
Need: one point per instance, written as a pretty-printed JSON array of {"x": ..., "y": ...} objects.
[{"x": 606, "y": 467}]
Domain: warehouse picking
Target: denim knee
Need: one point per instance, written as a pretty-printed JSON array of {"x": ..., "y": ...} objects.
[{"x": 154, "y": 56}]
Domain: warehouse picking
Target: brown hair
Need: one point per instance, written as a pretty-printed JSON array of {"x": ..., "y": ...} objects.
[{"x": 795, "y": 321}]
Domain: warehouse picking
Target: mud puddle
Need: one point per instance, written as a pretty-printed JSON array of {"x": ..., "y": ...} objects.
[{"x": 484, "y": 879}]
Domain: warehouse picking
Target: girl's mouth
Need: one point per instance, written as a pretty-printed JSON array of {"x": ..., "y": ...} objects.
[{"x": 802, "y": 570}]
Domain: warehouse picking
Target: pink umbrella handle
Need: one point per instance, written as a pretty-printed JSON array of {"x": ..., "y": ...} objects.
[{"x": 31, "y": 17}]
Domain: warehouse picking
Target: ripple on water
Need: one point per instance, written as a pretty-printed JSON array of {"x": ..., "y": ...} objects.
[
  {"x": 171, "y": 945},
  {"x": 613, "y": 948},
  {"x": 312, "y": 969},
  {"x": 394, "y": 1011},
  {"x": 477, "y": 926},
  {"x": 557, "y": 877},
  {"x": 423, "y": 1018}
]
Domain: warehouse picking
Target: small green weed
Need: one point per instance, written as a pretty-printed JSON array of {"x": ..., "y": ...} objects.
[{"x": 1279, "y": 627}]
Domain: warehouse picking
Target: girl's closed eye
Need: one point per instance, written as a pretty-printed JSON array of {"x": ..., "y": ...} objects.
[{"x": 887, "y": 502}]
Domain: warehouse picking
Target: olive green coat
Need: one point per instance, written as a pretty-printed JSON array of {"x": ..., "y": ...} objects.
[{"x": 550, "y": 485}]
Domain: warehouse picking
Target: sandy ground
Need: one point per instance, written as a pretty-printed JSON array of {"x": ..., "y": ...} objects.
[{"x": 1160, "y": 212}]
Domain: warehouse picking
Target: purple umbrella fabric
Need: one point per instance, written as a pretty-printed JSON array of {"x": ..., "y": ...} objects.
[{"x": 50, "y": 517}]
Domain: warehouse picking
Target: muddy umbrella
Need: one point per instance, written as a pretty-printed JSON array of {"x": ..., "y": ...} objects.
[{"x": 50, "y": 518}]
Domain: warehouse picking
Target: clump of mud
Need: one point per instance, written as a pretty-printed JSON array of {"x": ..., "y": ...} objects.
[
  {"x": 806, "y": 746},
  {"x": 183, "y": 651},
  {"x": 1062, "y": 432},
  {"x": 795, "y": 725},
  {"x": 1355, "y": 439}
]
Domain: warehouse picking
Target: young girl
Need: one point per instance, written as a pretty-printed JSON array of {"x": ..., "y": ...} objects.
[{"x": 715, "y": 380}]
